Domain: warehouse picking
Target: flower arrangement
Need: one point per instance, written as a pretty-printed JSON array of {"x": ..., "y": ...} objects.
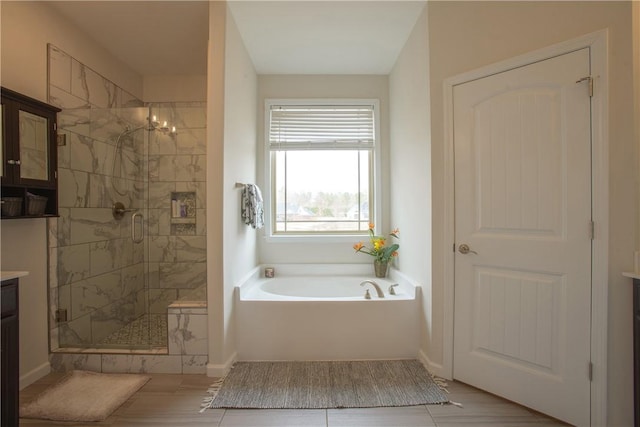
[{"x": 379, "y": 249}]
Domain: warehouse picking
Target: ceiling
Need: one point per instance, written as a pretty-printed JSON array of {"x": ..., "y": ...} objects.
[
  {"x": 325, "y": 37},
  {"x": 282, "y": 37}
]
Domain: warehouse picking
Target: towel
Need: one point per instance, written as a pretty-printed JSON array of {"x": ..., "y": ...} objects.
[{"x": 252, "y": 207}]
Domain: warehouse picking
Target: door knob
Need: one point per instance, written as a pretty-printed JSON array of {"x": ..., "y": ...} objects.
[{"x": 464, "y": 249}]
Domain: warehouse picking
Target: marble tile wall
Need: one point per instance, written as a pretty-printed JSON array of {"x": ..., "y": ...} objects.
[
  {"x": 74, "y": 85},
  {"x": 177, "y": 246},
  {"x": 96, "y": 272}
]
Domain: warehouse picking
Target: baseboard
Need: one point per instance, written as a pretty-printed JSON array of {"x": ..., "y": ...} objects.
[
  {"x": 34, "y": 375},
  {"x": 436, "y": 369},
  {"x": 220, "y": 370}
]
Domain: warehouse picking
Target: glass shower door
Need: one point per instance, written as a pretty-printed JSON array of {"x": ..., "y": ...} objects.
[{"x": 102, "y": 245}]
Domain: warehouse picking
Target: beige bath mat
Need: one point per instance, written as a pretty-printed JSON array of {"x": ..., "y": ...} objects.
[{"x": 83, "y": 396}]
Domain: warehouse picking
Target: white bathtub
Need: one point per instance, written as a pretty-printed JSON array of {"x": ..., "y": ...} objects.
[{"x": 318, "y": 312}]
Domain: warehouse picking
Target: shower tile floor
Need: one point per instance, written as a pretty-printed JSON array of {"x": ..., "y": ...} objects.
[{"x": 147, "y": 330}]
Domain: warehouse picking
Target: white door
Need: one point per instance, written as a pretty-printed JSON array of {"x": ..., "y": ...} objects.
[{"x": 523, "y": 209}]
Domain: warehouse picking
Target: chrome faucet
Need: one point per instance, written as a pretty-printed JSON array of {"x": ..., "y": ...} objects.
[{"x": 375, "y": 285}]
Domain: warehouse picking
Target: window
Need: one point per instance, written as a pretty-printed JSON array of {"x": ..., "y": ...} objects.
[{"x": 321, "y": 166}]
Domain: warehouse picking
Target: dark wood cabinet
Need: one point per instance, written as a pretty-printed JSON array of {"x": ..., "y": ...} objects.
[
  {"x": 636, "y": 351},
  {"x": 28, "y": 157},
  {"x": 9, "y": 353}
]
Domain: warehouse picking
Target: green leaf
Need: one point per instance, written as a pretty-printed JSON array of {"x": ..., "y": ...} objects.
[{"x": 390, "y": 250}]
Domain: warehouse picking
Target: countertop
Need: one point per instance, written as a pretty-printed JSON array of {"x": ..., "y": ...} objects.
[
  {"x": 7, "y": 275},
  {"x": 633, "y": 275}
]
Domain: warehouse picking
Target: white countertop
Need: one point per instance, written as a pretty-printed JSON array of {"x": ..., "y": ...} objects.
[
  {"x": 633, "y": 275},
  {"x": 7, "y": 275}
]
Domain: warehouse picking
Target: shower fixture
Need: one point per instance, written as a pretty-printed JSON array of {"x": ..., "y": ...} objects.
[{"x": 154, "y": 124}]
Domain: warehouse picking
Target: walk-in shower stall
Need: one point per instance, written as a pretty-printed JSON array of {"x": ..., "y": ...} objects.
[{"x": 131, "y": 237}]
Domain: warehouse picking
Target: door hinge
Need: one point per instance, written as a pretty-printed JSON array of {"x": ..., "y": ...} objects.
[
  {"x": 592, "y": 230},
  {"x": 590, "y": 80},
  {"x": 590, "y": 371}
]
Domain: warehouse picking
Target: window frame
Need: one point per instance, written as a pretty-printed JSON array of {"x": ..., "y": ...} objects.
[{"x": 374, "y": 179}]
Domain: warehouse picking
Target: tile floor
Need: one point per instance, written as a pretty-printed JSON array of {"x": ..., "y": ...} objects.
[
  {"x": 174, "y": 400},
  {"x": 147, "y": 330}
]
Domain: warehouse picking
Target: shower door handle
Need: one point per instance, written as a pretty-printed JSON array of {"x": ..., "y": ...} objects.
[{"x": 135, "y": 236}]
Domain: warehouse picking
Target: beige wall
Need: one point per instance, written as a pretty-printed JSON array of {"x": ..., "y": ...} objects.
[
  {"x": 25, "y": 30},
  {"x": 182, "y": 88},
  {"x": 27, "y": 27},
  {"x": 24, "y": 247},
  {"x": 215, "y": 194},
  {"x": 240, "y": 121},
  {"x": 330, "y": 87},
  {"x": 410, "y": 163},
  {"x": 467, "y": 35}
]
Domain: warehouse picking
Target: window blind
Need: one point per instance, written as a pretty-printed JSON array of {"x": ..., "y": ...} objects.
[{"x": 294, "y": 127}]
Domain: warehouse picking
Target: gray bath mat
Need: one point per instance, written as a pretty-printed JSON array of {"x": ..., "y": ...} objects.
[{"x": 323, "y": 385}]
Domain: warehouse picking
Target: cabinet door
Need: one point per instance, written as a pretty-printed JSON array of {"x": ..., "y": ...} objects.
[
  {"x": 2, "y": 139},
  {"x": 9, "y": 356},
  {"x": 8, "y": 130},
  {"x": 29, "y": 154},
  {"x": 10, "y": 378},
  {"x": 636, "y": 351}
]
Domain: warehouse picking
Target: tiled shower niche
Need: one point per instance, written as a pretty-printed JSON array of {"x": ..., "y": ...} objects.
[{"x": 183, "y": 214}]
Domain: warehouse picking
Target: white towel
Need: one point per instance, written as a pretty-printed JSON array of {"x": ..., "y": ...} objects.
[{"x": 252, "y": 207}]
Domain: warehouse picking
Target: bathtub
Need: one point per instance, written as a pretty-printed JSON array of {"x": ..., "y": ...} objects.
[{"x": 319, "y": 312}]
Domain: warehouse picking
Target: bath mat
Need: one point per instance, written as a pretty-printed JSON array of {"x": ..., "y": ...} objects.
[
  {"x": 325, "y": 385},
  {"x": 83, "y": 396}
]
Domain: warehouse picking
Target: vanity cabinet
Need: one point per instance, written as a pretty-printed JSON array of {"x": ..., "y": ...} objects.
[
  {"x": 28, "y": 165},
  {"x": 9, "y": 353},
  {"x": 636, "y": 351}
]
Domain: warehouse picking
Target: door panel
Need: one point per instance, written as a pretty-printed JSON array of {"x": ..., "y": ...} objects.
[
  {"x": 523, "y": 205},
  {"x": 514, "y": 314},
  {"x": 519, "y": 163}
]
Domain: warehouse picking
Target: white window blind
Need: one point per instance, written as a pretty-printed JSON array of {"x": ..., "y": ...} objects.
[{"x": 333, "y": 127}]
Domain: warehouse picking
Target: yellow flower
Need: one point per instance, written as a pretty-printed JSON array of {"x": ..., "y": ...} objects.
[
  {"x": 378, "y": 244},
  {"x": 378, "y": 248}
]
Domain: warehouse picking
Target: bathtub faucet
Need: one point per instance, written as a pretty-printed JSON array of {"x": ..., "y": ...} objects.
[{"x": 375, "y": 285}]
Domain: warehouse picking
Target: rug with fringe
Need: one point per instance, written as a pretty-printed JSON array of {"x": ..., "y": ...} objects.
[{"x": 326, "y": 385}]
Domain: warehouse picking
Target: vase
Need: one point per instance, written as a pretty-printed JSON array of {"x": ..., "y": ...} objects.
[{"x": 380, "y": 268}]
